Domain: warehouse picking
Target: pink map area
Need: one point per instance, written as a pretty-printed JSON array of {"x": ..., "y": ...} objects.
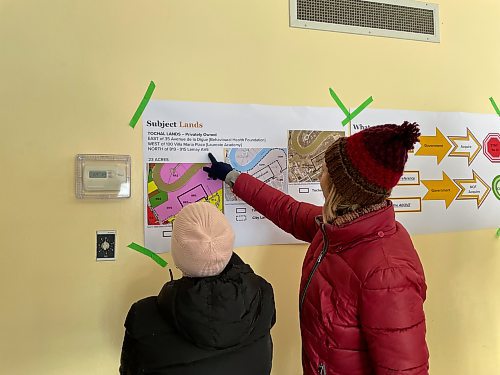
[{"x": 189, "y": 189}]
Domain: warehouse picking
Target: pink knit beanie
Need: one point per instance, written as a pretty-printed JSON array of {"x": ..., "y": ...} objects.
[{"x": 202, "y": 240}]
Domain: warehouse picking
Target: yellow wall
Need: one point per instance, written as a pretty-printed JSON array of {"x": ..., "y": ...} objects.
[{"x": 73, "y": 71}]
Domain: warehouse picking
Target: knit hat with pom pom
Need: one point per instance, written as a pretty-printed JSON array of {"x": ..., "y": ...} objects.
[{"x": 367, "y": 165}]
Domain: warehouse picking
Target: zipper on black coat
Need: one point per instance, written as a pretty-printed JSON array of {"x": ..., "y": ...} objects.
[{"x": 318, "y": 262}]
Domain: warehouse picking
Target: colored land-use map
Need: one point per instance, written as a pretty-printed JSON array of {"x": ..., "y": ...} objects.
[
  {"x": 171, "y": 186},
  {"x": 306, "y": 152},
  {"x": 267, "y": 164}
]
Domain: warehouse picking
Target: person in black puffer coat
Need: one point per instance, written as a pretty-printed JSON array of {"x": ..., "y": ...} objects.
[{"x": 215, "y": 320}]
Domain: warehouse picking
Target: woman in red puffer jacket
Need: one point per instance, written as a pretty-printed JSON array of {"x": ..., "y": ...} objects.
[{"x": 363, "y": 286}]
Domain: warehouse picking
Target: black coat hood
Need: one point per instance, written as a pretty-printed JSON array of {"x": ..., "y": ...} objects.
[{"x": 228, "y": 310}]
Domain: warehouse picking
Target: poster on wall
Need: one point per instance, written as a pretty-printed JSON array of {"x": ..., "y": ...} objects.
[{"x": 450, "y": 183}]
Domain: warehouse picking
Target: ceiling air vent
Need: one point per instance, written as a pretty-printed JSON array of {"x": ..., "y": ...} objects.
[{"x": 405, "y": 19}]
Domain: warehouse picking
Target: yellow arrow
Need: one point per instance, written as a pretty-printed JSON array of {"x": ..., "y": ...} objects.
[
  {"x": 467, "y": 146},
  {"x": 434, "y": 145},
  {"x": 441, "y": 190},
  {"x": 471, "y": 189}
]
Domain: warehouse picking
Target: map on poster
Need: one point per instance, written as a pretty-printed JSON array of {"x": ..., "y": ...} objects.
[
  {"x": 171, "y": 186},
  {"x": 306, "y": 152},
  {"x": 451, "y": 181},
  {"x": 267, "y": 164}
]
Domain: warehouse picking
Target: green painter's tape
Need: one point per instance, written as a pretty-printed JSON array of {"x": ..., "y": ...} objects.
[
  {"x": 144, "y": 103},
  {"x": 339, "y": 102},
  {"x": 162, "y": 262},
  {"x": 357, "y": 111},
  {"x": 495, "y": 106}
]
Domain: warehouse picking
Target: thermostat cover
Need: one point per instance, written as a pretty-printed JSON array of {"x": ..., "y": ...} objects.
[{"x": 102, "y": 176}]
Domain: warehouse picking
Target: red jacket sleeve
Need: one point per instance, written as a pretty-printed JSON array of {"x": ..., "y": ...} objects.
[
  {"x": 296, "y": 218},
  {"x": 393, "y": 321}
]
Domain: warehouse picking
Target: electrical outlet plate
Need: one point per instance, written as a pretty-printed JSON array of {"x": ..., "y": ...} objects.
[{"x": 105, "y": 245}]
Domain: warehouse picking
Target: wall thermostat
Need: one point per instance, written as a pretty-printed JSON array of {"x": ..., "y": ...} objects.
[
  {"x": 106, "y": 245},
  {"x": 102, "y": 176}
]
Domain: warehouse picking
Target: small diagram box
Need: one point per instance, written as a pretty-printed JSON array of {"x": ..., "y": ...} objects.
[
  {"x": 409, "y": 178},
  {"x": 241, "y": 217},
  {"x": 167, "y": 232},
  {"x": 412, "y": 204},
  {"x": 304, "y": 190},
  {"x": 241, "y": 210}
]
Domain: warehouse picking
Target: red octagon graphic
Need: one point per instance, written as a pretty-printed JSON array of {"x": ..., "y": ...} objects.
[{"x": 491, "y": 147}]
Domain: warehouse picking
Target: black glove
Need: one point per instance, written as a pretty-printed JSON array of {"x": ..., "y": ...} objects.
[{"x": 218, "y": 170}]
